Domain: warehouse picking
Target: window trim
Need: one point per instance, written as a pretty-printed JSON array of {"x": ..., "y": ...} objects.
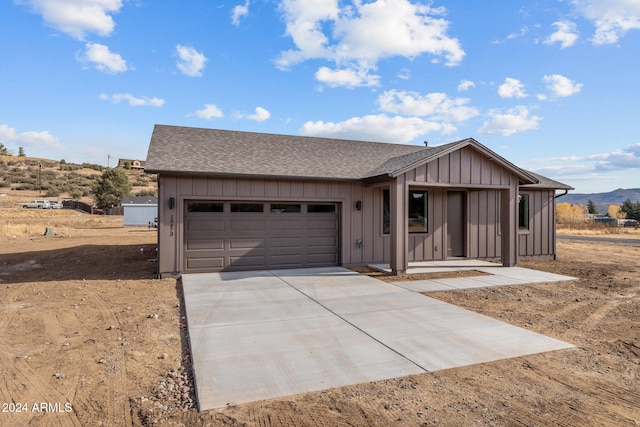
[
  {"x": 524, "y": 213},
  {"x": 425, "y": 206},
  {"x": 386, "y": 211}
]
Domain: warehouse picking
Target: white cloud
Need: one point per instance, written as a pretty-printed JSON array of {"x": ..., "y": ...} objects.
[
  {"x": 190, "y": 62},
  {"x": 561, "y": 85},
  {"x": 523, "y": 31},
  {"x": 612, "y": 18},
  {"x": 437, "y": 106},
  {"x": 358, "y": 35},
  {"x": 566, "y": 34},
  {"x": 376, "y": 128},
  {"x": 511, "y": 88},
  {"x": 133, "y": 101},
  {"x": 349, "y": 78},
  {"x": 617, "y": 160},
  {"x": 260, "y": 115},
  {"x": 238, "y": 12},
  {"x": 465, "y": 85},
  {"x": 78, "y": 17},
  {"x": 514, "y": 120},
  {"x": 404, "y": 74},
  {"x": 210, "y": 111},
  {"x": 34, "y": 139},
  {"x": 102, "y": 58}
]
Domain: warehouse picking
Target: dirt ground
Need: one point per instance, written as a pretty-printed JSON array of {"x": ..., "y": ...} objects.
[{"x": 89, "y": 336}]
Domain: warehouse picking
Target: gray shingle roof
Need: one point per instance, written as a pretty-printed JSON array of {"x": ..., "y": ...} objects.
[
  {"x": 544, "y": 182},
  {"x": 401, "y": 162},
  {"x": 194, "y": 150},
  {"x": 186, "y": 150}
]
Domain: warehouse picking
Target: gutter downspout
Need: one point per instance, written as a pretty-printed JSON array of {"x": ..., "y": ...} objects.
[{"x": 557, "y": 196}]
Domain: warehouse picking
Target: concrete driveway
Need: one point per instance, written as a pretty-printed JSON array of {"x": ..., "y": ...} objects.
[{"x": 265, "y": 334}]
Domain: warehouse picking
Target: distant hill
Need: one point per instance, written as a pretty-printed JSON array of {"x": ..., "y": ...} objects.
[
  {"x": 602, "y": 200},
  {"x": 55, "y": 179}
]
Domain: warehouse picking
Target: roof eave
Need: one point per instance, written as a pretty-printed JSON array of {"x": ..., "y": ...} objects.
[{"x": 250, "y": 176}]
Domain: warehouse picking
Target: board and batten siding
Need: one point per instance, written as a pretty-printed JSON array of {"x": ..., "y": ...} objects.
[
  {"x": 464, "y": 170},
  {"x": 540, "y": 239},
  {"x": 184, "y": 187}
]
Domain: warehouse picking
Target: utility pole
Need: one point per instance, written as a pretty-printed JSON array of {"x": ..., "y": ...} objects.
[{"x": 108, "y": 159}]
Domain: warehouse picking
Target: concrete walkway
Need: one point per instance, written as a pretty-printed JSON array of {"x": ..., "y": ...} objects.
[
  {"x": 496, "y": 275},
  {"x": 266, "y": 334}
]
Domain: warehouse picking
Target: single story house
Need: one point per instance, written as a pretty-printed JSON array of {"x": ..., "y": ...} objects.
[
  {"x": 140, "y": 210},
  {"x": 232, "y": 200},
  {"x": 132, "y": 163}
]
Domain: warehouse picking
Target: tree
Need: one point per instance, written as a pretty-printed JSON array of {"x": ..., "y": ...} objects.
[
  {"x": 614, "y": 212},
  {"x": 21, "y": 152},
  {"x": 591, "y": 207},
  {"x": 568, "y": 213},
  {"x": 4, "y": 151},
  {"x": 632, "y": 210},
  {"x": 112, "y": 186},
  {"x": 127, "y": 165}
]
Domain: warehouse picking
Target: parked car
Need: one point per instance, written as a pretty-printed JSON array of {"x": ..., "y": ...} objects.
[
  {"x": 38, "y": 204},
  {"x": 56, "y": 205}
]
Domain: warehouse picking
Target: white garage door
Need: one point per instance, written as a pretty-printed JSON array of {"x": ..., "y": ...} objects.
[{"x": 224, "y": 236}]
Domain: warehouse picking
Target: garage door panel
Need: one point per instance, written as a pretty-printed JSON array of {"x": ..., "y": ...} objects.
[
  {"x": 288, "y": 224},
  {"x": 322, "y": 259},
  {"x": 205, "y": 244},
  {"x": 207, "y": 264},
  {"x": 288, "y": 260},
  {"x": 322, "y": 241},
  {"x": 320, "y": 252},
  {"x": 324, "y": 224},
  {"x": 280, "y": 242},
  {"x": 247, "y": 224},
  {"x": 205, "y": 225},
  {"x": 250, "y": 243},
  {"x": 246, "y": 261},
  {"x": 241, "y": 240}
]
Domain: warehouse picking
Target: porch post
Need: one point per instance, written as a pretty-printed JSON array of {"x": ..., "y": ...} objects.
[
  {"x": 399, "y": 231},
  {"x": 509, "y": 226}
]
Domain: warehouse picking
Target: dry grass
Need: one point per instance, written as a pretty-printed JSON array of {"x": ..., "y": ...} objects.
[
  {"x": 24, "y": 223},
  {"x": 598, "y": 230}
]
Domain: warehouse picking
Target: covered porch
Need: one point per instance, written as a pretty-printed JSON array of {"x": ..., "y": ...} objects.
[{"x": 457, "y": 221}]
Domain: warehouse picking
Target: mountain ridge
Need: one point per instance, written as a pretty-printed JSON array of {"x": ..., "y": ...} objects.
[{"x": 602, "y": 200}]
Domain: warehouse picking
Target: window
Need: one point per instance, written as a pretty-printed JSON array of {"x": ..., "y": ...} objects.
[
  {"x": 417, "y": 211},
  {"x": 321, "y": 208},
  {"x": 247, "y": 207},
  {"x": 284, "y": 208},
  {"x": 386, "y": 212},
  {"x": 523, "y": 212},
  {"x": 204, "y": 207}
]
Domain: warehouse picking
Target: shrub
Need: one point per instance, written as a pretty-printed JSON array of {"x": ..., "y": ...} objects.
[
  {"x": 52, "y": 192},
  {"x": 145, "y": 193}
]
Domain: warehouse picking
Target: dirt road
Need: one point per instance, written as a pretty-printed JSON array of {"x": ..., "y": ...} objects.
[{"x": 88, "y": 336}]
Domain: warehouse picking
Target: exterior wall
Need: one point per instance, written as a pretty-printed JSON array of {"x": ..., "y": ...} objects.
[
  {"x": 181, "y": 188},
  {"x": 484, "y": 241},
  {"x": 540, "y": 240}
]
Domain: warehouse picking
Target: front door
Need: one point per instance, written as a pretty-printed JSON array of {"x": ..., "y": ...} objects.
[{"x": 456, "y": 221}]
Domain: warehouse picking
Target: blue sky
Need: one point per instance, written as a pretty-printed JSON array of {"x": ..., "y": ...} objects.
[{"x": 552, "y": 86}]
